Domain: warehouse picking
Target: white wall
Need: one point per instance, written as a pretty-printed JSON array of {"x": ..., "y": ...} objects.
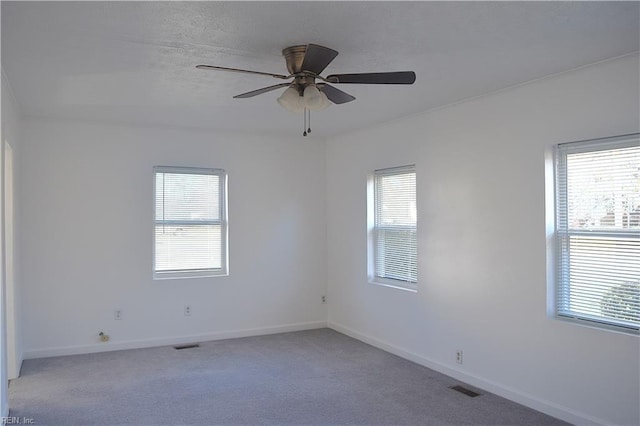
[
  {"x": 482, "y": 273},
  {"x": 11, "y": 133},
  {"x": 86, "y": 194}
]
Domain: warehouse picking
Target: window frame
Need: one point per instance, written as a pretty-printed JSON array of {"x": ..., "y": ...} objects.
[
  {"x": 223, "y": 222},
  {"x": 560, "y": 287},
  {"x": 372, "y": 208}
]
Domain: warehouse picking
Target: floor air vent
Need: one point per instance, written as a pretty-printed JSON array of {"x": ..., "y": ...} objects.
[
  {"x": 195, "y": 345},
  {"x": 465, "y": 391}
]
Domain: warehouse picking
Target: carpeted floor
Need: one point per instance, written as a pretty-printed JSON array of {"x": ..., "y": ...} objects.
[{"x": 309, "y": 377}]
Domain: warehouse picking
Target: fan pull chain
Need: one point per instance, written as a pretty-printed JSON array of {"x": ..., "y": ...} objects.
[
  {"x": 304, "y": 114},
  {"x": 309, "y": 123}
]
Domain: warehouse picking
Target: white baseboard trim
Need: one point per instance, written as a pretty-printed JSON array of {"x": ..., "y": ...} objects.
[
  {"x": 515, "y": 395},
  {"x": 13, "y": 372},
  {"x": 167, "y": 341},
  {"x": 18, "y": 368}
]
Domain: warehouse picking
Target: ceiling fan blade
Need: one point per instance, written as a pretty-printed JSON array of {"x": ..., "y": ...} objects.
[
  {"x": 261, "y": 91},
  {"x": 317, "y": 57},
  {"x": 397, "y": 77},
  {"x": 336, "y": 96},
  {"x": 212, "y": 67}
]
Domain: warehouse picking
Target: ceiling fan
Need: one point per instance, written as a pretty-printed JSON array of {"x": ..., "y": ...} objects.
[{"x": 305, "y": 63}]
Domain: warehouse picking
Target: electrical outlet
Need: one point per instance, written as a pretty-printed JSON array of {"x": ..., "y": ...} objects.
[
  {"x": 459, "y": 357},
  {"x": 324, "y": 299},
  {"x": 187, "y": 310},
  {"x": 117, "y": 314}
]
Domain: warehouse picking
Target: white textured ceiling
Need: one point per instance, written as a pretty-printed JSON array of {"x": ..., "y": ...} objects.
[{"x": 133, "y": 62}]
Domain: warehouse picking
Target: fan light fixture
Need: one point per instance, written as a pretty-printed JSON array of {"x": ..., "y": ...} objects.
[
  {"x": 304, "y": 99},
  {"x": 311, "y": 99},
  {"x": 291, "y": 100},
  {"x": 314, "y": 99}
]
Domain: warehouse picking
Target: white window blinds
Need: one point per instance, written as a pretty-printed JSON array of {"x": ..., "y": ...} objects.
[
  {"x": 598, "y": 231},
  {"x": 395, "y": 226},
  {"x": 190, "y": 222}
]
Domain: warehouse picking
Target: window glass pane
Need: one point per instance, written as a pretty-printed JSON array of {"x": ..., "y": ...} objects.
[
  {"x": 604, "y": 278},
  {"x": 187, "y": 196},
  {"x": 396, "y": 251},
  {"x": 188, "y": 247},
  {"x": 396, "y": 195},
  {"x": 603, "y": 189}
]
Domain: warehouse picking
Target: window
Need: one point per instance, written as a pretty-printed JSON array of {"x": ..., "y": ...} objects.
[
  {"x": 190, "y": 222},
  {"x": 598, "y": 232},
  {"x": 393, "y": 253}
]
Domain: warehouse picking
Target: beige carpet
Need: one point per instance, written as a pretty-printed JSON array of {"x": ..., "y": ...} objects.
[{"x": 304, "y": 378}]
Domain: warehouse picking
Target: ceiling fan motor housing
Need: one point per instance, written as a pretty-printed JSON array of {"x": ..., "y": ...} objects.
[{"x": 294, "y": 56}]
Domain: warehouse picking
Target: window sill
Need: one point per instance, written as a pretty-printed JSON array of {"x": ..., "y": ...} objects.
[
  {"x": 595, "y": 325},
  {"x": 412, "y": 287},
  {"x": 188, "y": 274}
]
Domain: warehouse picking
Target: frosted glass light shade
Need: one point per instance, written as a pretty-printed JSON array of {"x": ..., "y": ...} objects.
[
  {"x": 325, "y": 100},
  {"x": 291, "y": 100},
  {"x": 314, "y": 99}
]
